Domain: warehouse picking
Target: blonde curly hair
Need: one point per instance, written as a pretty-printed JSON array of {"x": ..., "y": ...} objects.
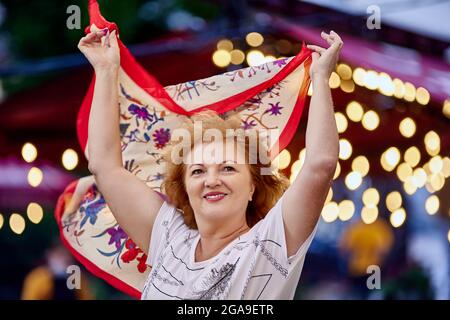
[{"x": 268, "y": 187}]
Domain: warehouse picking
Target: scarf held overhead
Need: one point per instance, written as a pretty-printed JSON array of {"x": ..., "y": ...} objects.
[{"x": 268, "y": 96}]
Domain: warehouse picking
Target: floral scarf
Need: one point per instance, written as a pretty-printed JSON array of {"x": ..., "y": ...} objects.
[{"x": 268, "y": 96}]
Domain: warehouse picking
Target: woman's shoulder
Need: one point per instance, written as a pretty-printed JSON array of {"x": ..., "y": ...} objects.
[
  {"x": 170, "y": 221},
  {"x": 274, "y": 211},
  {"x": 169, "y": 212}
]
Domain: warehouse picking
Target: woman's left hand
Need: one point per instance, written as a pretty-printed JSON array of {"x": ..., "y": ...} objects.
[{"x": 324, "y": 60}]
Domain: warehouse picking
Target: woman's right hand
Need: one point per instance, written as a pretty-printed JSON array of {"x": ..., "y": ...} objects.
[{"x": 101, "y": 49}]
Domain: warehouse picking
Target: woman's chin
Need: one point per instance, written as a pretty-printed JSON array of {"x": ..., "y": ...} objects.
[{"x": 216, "y": 208}]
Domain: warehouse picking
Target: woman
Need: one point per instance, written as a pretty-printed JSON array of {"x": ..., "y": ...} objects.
[{"x": 228, "y": 232}]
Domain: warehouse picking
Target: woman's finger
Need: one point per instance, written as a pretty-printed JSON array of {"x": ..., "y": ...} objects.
[
  {"x": 94, "y": 28},
  {"x": 84, "y": 43},
  {"x": 337, "y": 42},
  {"x": 315, "y": 48},
  {"x": 315, "y": 56},
  {"x": 327, "y": 37},
  {"x": 330, "y": 35},
  {"x": 335, "y": 35},
  {"x": 113, "y": 39},
  {"x": 91, "y": 38},
  {"x": 103, "y": 41},
  {"x": 107, "y": 39},
  {"x": 87, "y": 38}
]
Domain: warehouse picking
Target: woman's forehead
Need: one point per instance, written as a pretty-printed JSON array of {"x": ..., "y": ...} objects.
[{"x": 216, "y": 152}]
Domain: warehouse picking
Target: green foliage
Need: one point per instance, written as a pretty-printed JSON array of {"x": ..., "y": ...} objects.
[
  {"x": 37, "y": 28},
  {"x": 20, "y": 253}
]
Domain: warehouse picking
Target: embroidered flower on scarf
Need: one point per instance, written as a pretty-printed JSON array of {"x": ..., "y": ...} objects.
[
  {"x": 140, "y": 112},
  {"x": 255, "y": 100},
  {"x": 248, "y": 125},
  {"x": 132, "y": 254},
  {"x": 274, "y": 109},
  {"x": 91, "y": 210},
  {"x": 161, "y": 137},
  {"x": 142, "y": 266},
  {"x": 158, "y": 176},
  {"x": 280, "y": 62},
  {"x": 116, "y": 236}
]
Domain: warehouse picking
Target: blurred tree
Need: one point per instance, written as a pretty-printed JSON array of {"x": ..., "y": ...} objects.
[
  {"x": 37, "y": 28},
  {"x": 413, "y": 284}
]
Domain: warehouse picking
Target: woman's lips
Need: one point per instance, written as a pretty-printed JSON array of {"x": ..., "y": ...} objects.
[{"x": 215, "y": 197}]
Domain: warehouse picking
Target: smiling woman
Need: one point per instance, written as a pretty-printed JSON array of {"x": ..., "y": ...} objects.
[
  {"x": 230, "y": 228},
  {"x": 253, "y": 193}
]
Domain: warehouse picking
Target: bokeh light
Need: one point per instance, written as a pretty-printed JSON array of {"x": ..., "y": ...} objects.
[
  {"x": 359, "y": 75},
  {"x": 221, "y": 58},
  {"x": 386, "y": 86},
  {"x": 398, "y": 217},
  {"x": 371, "y": 120},
  {"x": 371, "y": 197},
  {"x": 407, "y": 127},
  {"x": 341, "y": 122},
  {"x": 17, "y": 223},
  {"x": 35, "y": 212},
  {"x": 344, "y": 71},
  {"x": 432, "y": 204},
  {"x": 355, "y": 111},
  {"x": 346, "y": 210},
  {"x": 35, "y": 177},
  {"x": 410, "y": 92},
  {"x": 369, "y": 214},
  {"x": 353, "y": 180},
  {"x": 392, "y": 155},
  {"x": 345, "y": 149},
  {"x": 432, "y": 143},
  {"x": 255, "y": 58},
  {"x": 237, "y": 57},
  {"x": 29, "y": 152},
  {"x": 446, "y": 108},
  {"x": 254, "y": 39},
  {"x": 69, "y": 159},
  {"x": 393, "y": 201},
  {"x": 284, "y": 159},
  {"x": 330, "y": 212},
  {"x": 225, "y": 44},
  {"x": 399, "y": 88},
  {"x": 422, "y": 96},
  {"x": 334, "y": 81},
  {"x": 371, "y": 80},
  {"x": 412, "y": 156},
  {"x": 361, "y": 165},
  {"x": 337, "y": 172}
]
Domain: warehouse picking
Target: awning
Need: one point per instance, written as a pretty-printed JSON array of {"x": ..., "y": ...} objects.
[{"x": 402, "y": 63}]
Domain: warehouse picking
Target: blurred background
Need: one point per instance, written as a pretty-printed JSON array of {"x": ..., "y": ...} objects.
[{"x": 389, "y": 205}]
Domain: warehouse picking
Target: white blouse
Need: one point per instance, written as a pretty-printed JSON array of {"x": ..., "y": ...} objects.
[{"x": 253, "y": 266}]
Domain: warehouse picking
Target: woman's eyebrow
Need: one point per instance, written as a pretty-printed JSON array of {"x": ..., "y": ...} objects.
[
  {"x": 201, "y": 164},
  {"x": 229, "y": 161},
  {"x": 195, "y": 164}
]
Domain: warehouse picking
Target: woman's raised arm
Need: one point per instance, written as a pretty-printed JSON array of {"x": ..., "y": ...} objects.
[
  {"x": 304, "y": 199},
  {"x": 132, "y": 202}
]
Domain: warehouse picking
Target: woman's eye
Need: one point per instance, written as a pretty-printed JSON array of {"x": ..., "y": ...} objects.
[
  {"x": 196, "y": 171},
  {"x": 228, "y": 168}
]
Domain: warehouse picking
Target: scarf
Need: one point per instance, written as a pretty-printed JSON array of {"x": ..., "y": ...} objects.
[{"x": 270, "y": 96}]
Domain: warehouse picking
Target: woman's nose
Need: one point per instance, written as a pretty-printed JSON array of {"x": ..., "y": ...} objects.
[{"x": 212, "y": 180}]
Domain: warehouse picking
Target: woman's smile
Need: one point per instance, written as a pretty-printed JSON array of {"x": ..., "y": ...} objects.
[{"x": 214, "y": 196}]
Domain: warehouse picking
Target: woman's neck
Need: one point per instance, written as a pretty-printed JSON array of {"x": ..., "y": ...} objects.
[{"x": 210, "y": 245}]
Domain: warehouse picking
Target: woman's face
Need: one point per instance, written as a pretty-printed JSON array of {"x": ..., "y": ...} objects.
[{"x": 219, "y": 186}]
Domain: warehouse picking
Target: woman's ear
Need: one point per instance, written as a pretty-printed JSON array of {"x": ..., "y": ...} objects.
[{"x": 252, "y": 191}]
